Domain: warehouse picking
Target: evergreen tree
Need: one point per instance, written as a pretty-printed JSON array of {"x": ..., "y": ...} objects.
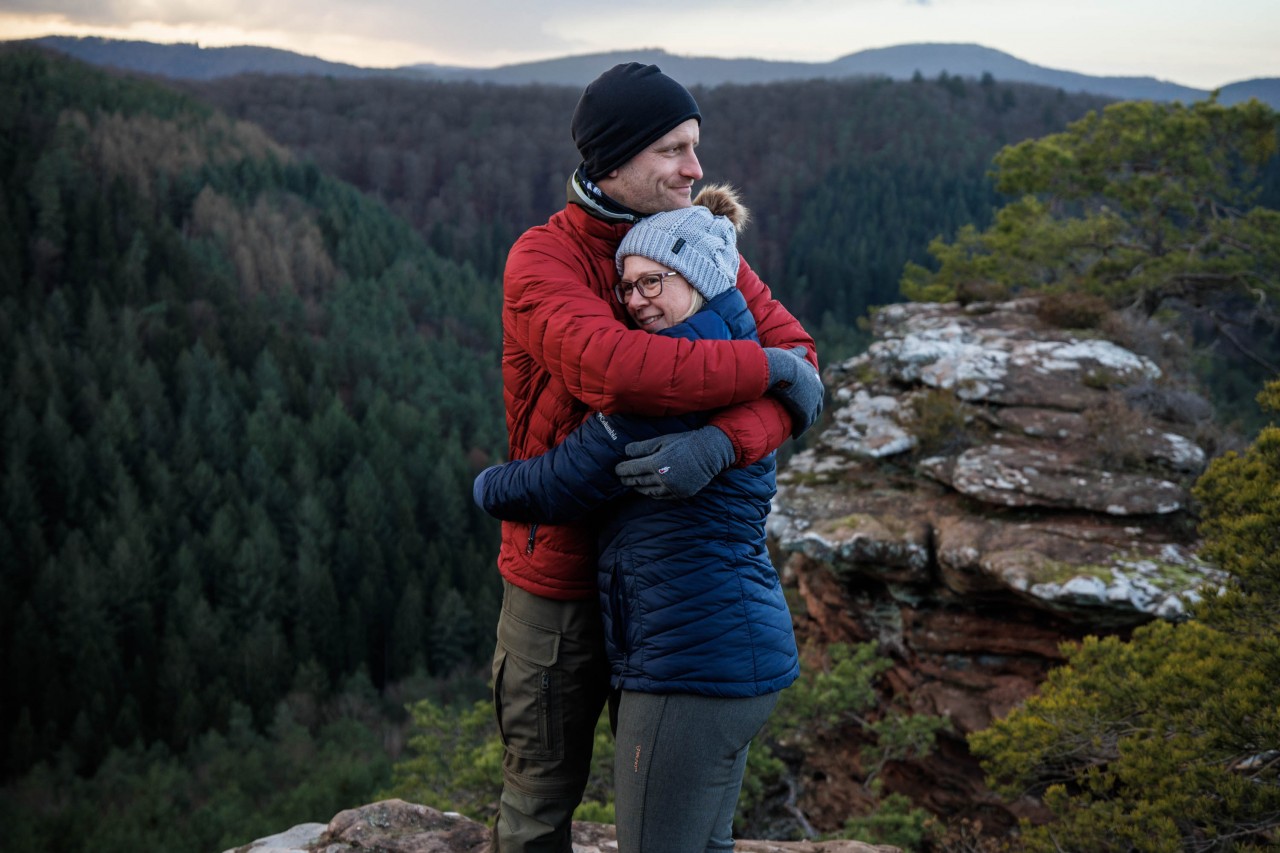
[
  {"x": 451, "y": 631},
  {"x": 1142, "y": 201}
]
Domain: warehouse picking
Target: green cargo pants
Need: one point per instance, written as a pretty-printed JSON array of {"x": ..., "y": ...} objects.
[{"x": 550, "y": 682}]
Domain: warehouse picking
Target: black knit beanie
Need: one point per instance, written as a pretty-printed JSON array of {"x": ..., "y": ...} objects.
[{"x": 625, "y": 109}]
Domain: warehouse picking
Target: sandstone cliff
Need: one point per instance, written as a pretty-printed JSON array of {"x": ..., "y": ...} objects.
[{"x": 988, "y": 488}]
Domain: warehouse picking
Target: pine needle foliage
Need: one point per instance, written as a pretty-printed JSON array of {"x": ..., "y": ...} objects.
[{"x": 1140, "y": 203}]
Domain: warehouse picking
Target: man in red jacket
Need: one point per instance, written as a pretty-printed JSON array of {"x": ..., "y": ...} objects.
[{"x": 567, "y": 351}]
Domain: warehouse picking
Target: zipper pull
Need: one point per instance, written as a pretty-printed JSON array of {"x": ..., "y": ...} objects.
[{"x": 533, "y": 529}]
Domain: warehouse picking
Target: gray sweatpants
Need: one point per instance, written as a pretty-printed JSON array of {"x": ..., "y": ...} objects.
[{"x": 678, "y": 769}]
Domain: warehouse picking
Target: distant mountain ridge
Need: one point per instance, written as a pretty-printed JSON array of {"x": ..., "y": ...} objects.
[
  {"x": 901, "y": 62},
  {"x": 193, "y": 62}
]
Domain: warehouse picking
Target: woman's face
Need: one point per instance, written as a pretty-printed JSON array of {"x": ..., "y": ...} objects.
[{"x": 671, "y": 306}]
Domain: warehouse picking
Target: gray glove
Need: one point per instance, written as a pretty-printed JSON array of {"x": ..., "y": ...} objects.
[
  {"x": 797, "y": 385},
  {"x": 676, "y": 465}
]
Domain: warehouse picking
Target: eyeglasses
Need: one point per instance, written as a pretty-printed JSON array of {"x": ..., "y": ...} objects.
[{"x": 650, "y": 286}]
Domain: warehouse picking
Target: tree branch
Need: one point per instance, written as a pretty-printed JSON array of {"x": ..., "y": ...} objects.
[{"x": 1220, "y": 324}]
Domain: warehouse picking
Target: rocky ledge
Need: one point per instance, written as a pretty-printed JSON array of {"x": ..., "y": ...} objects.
[
  {"x": 394, "y": 826},
  {"x": 988, "y": 488}
]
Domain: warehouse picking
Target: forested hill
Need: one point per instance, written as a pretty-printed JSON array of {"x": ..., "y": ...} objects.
[
  {"x": 847, "y": 180},
  {"x": 241, "y": 407}
]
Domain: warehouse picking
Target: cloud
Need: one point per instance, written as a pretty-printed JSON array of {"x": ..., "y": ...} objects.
[
  {"x": 1173, "y": 41},
  {"x": 473, "y": 32},
  {"x": 449, "y": 28},
  {"x": 517, "y": 30},
  {"x": 121, "y": 13}
]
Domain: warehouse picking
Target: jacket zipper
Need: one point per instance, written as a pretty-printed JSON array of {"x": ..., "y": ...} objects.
[{"x": 533, "y": 530}]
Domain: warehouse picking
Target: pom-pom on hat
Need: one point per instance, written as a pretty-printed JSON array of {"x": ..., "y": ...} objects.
[
  {"x": 699, "y": 242},
  {"x": 624, "y": 110}
]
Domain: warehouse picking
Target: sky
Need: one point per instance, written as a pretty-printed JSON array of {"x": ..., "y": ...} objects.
[{"x": 1199, "y": 43}]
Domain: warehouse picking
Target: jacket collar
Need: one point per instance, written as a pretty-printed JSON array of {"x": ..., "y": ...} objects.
[
  {"x": 583, "y": 192},
  {"x": 603, "y": 233}
]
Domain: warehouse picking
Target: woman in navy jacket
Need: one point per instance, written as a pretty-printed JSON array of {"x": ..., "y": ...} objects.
[{"x": 697, "y": 629}]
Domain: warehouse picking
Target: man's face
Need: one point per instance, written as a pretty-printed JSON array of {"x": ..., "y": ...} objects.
[{"x": 661, "y": 176}]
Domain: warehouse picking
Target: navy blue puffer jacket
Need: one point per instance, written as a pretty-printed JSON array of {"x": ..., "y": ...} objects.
[{"x": 691, "y": 602}]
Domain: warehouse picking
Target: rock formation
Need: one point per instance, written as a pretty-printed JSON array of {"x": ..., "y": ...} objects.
[{"x": 988, "y": 488}]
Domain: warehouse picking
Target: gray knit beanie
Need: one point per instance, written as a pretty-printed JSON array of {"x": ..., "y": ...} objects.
[{"x": 693, "y": 241}]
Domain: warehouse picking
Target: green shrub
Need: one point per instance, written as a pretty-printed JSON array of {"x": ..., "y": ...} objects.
[
  {"x": 940, "y": 422},
  {"x": 456, "y": 760},
  {"x": 1117, "y": 430},
  {"x": 455, "y": 763},
  {"x": 895, "y": 822},
  {"x": 1073, "y": 310},
  {"x": 819, "y": 704}
]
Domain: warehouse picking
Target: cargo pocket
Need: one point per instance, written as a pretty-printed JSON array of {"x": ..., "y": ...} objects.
[{"x": 526, "y": 690}]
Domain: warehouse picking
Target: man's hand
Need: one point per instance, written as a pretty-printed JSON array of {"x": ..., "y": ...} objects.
[
  {"x": 676, "y": 465},
  {"x": 794, "y": 381}
]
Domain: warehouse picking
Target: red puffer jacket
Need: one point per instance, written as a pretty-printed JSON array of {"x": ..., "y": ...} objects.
[{"x": 566, "y": 350}]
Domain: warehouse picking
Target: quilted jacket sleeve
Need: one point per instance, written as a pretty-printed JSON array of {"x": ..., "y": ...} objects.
[{"x": 561, "y": 485}]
